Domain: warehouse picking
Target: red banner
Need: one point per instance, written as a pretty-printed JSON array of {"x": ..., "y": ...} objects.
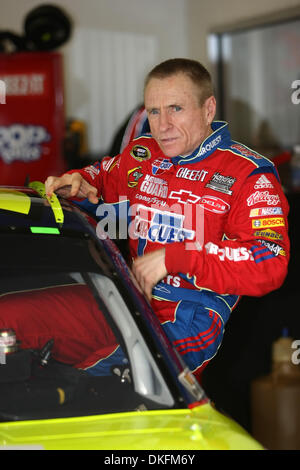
[{"x": 32, "y": 121}]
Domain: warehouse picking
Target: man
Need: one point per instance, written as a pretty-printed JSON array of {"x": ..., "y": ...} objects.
[{"x": 208, "y": 215}]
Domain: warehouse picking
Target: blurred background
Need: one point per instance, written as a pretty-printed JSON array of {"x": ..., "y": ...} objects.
[{"x": 71, "y": 84}]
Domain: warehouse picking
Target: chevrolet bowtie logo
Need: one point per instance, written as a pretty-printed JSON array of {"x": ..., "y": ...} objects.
[{"x": 185, "y": 197}]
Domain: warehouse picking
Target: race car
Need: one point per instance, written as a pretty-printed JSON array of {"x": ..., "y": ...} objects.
[{"x": 124, "y": 386}]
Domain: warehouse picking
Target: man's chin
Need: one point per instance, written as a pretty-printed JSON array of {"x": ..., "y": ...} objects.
[{"x": 170, "y": 150}]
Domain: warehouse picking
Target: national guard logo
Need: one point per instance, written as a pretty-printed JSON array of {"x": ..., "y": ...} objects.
[{"x": 140, "y": 153}]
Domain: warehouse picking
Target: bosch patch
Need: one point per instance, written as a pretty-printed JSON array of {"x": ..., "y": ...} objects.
[{"x": 270, "y": 222}]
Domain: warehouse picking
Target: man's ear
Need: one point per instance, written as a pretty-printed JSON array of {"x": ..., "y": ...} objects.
[{"x": 210, "y": 107}]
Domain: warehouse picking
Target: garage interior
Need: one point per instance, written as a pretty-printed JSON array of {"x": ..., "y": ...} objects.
[{"x": 96, "y": 65}]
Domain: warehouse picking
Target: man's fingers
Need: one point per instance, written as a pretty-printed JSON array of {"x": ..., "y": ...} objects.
[
  {"x": 144, "y": 282},
  {"x": 71, "y": 185},
  {"x": 53, "y": 183},
  {"x": 49, "y": 186},
  {"x": 76, "y": 181},
  {"x": 81, "y": 188},
  {"x": 92, "y": 196},
  {"x": 148, "y": 292},
  {"x": 149, "y": 269}
]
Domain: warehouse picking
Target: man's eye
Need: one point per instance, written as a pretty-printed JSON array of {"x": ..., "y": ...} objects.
[
  {"x": 153, "y": 111},
  {"x": 176, "y": 108}
]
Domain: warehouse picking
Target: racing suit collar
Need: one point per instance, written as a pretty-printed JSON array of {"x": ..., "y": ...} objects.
[{"x": 218, "y": 136}]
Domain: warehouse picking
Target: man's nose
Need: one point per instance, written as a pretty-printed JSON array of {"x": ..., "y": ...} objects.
[{"x": 164, "y": 121}]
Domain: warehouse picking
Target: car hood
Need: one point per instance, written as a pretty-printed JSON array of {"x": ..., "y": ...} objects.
[{"x": 197, "y": 429}]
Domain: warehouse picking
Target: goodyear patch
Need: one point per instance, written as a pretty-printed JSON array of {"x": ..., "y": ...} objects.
[
  {"x": 140, "y": 153},
  {"x": 268, "y": 222}
]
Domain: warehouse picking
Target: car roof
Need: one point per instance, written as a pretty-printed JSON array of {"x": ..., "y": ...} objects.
[
  {"x": 52, "y": 229},
  {"x": 26, "y": 209}
]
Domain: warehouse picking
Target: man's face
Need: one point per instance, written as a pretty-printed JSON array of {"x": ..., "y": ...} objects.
[{"x": 177, "y": 122}]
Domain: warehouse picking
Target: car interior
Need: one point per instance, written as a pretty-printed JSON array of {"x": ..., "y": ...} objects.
[{"x": 38, "y": 375}]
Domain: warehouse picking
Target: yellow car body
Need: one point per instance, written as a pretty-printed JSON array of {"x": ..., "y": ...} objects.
[
  {"x": 192, "y": 426},
  {"x": 202, "y": 428}
]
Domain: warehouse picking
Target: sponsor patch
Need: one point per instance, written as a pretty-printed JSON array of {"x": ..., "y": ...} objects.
[
  {"x": 210, "y": 145},
  {"x": 154, "y": 186},
  {"x": 263, "y": 183},
  {"x": 133, "y": 176},
  {"x": 171, "y": 280},
  {"x": 115, "y": 163},
  {"x": 93, "y": 170},
  {"x": 191, "y": 175},
  {"x": 160, "y": 165},
  {"x": 221, "y": 183},
  {"x": 263, "y": 211},
  {"x": 270, "y": 222},
  {"x": 263, "y": 196},
  {"x": 214, "y": 204},
  {"x": 106, "y": 162},
  {"x": 185, "y": 197},
  {"x": 159, "y": 226},
  {"x": 245, "y": 151},
  {"x": 273, "y": 247},
  {"x": 140, "y": 153},
  {"x": 233, "y": 254},
  {"x": 270, "y": 234},
  {"x": 150, "y": 200},
  {"x": 109, "y": 163}
]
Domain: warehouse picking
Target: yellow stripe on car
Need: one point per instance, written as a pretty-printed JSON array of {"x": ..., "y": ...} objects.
[{"x": 14, "y": 201}]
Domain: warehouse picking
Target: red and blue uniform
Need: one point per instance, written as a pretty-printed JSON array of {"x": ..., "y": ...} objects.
[{"x": 221, "y": 215}]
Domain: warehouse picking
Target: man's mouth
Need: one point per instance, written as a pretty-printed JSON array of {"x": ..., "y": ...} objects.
[{"x": 168, "y": 140}]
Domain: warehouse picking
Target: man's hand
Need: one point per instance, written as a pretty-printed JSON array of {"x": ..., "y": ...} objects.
[
  {"x": 71, "y": 185},
  {"x": 149, "y": 269}
]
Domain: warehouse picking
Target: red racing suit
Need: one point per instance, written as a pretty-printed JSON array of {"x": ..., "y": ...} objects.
[{"x": 221, "y": 215}]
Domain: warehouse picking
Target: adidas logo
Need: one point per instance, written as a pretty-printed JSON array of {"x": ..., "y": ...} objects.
[{"x": 263, "y": 182}]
